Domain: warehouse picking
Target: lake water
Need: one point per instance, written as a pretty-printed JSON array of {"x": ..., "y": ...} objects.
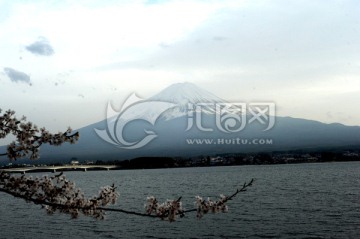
[{"x": 286, "y": 201}]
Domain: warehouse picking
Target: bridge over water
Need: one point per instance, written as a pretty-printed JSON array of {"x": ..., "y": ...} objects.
[{"x": 59, "y": 168}]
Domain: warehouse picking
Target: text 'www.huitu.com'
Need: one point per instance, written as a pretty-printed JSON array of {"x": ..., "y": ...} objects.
[{"x": 232, "y": 141}]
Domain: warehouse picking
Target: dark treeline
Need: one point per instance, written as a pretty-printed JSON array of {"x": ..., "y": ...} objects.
[{"x": 283, "y": 157}]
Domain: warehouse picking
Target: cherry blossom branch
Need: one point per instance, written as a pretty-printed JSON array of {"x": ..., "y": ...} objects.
[
  {"x": 171, "y": 209},
  {"x": 29, "y": 137},
  {"x": 205, "y": 206},
  {"x": 56, "y": 193}
]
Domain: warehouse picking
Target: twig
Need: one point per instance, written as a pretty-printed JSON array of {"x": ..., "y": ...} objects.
[{"x": 242, "y": 189}]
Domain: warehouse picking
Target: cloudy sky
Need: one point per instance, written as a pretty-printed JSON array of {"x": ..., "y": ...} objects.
[{"x": 62, "y": 61}]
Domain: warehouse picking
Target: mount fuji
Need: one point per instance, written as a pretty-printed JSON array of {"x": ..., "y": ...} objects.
[{"x": 174, "y": 130}]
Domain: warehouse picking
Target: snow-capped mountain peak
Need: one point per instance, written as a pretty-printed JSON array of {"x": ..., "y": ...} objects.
[{"x": 184, "y": 93}]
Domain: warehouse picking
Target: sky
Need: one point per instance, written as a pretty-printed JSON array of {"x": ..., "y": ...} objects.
[{"x": 61, "y": 62}]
